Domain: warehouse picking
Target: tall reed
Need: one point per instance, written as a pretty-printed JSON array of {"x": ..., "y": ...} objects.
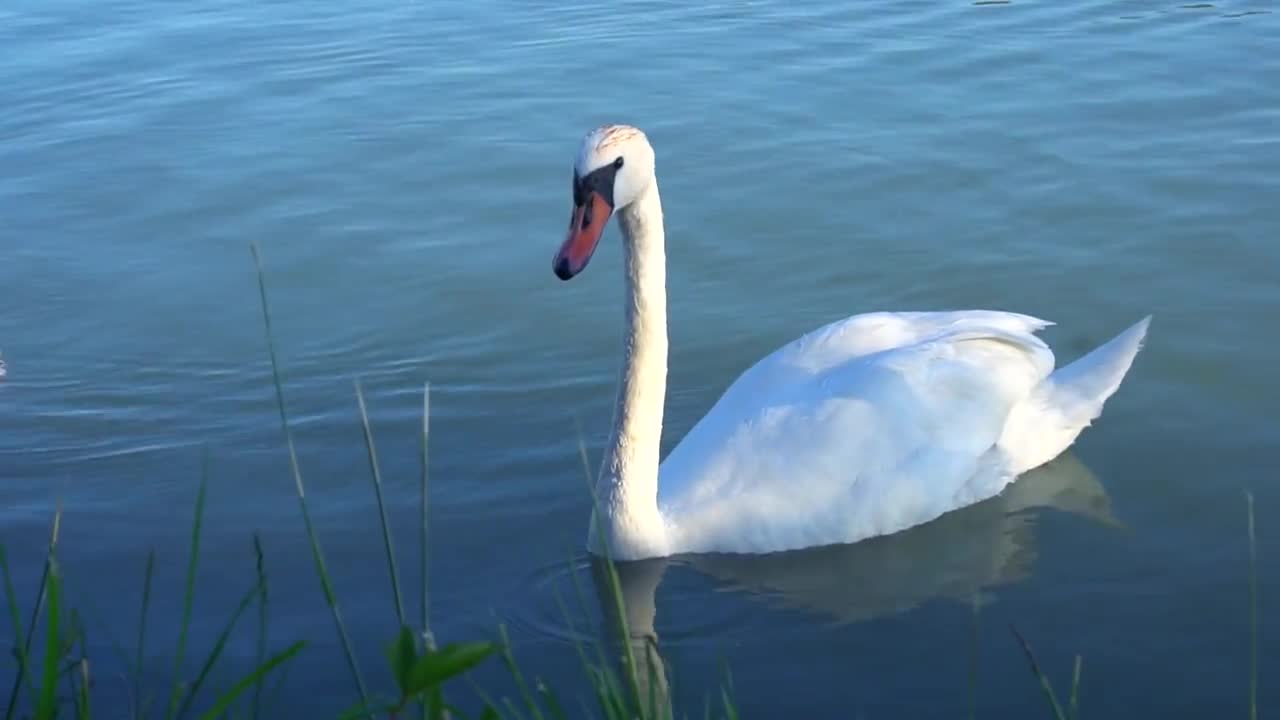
[{"x": 317, "y": 554}]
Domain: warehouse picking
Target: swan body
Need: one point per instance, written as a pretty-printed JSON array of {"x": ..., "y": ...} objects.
[{"x": 866, "y": 426}]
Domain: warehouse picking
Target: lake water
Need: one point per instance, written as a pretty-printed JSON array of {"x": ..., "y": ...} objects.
[{"x": 404, "y": 167}]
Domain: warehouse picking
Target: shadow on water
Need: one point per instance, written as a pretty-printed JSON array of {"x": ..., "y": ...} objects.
[{"x": 960, "y": 556}]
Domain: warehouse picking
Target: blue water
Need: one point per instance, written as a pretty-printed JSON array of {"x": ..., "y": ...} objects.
[{"x": 404, "y": 168}]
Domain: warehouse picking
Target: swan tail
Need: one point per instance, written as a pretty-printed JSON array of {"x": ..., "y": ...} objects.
[{"x": 1069, "y": 400}]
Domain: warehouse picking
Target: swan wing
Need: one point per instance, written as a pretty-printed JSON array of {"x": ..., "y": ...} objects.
[{"x": 863, "y": 427}]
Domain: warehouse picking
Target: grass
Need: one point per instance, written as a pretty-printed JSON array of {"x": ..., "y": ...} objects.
[
  {"x": 54, "y": 675},
  {"x": 1073, "y": 708}
]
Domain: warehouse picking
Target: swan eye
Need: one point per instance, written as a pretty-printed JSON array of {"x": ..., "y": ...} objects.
[{"x": 617, "y": 163}]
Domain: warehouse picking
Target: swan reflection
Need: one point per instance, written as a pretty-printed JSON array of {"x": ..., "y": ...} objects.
[{"x": 960, "y": 556}]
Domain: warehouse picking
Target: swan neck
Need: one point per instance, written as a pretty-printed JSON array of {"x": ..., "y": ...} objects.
[{"x": 629, "y": 475}]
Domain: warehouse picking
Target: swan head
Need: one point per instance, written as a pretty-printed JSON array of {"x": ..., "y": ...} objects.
[{"x": 614, "y": 167}]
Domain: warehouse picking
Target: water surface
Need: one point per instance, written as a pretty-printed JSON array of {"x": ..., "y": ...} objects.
[{"x": 404, "y": 168}]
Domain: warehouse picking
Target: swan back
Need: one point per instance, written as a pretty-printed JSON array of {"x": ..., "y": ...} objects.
[{"x": 863, "y": 427}]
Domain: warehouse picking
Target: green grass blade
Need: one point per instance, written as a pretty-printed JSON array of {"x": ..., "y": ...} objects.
[
  {"x": 78, "y": 676},
  {"x": 261, "y": 651},
  {"x": 515, "y": 711},
  {"x": 273, "y": 694},
  {"x": 553, "y": 703},
  {"x": 117, "y": 648},
  {"x": 423, "y": 541},
  {"x": 586, "y": 709},
  {"x": 361, "y": 710},
  {"x": 481, "y": 693},
  {"x": 254, "y": 678},
  {"x": 139, "y": 651},
  {"x": 73, "y": 691},
  {"x": 382, "y": 506},
  {"x": 726, "y": 693},
  {"x": 25, "y": 650},
  {"x": 15, "y": 620},
  {"x": 603, "y": 662},
  {"x": 652, "y": 670},
  {"x": 401, "y": 655},
  {"x": 1044, "y": 680},
  {"x": 603, "y": 683},
  {"x": 508, "y": 656},
  {"x": 605, "y": 674},
  {"x": 1253, "y": 613},
  {"x": 189, "y": 596},
  {"x": 573, "y": 630},
  {"x": 47, "y": 707},
  {"x": 433, "y": 705},
  {"x": 76, "y": 633},
  {"x": 83, "y": 710},
  {"x": 607, "y": 697},
  {"x": 218, "y": 646},
  {"x": 1074, "y": 704},
  {"x": 317, "y": 554},
  {"x": 614, "y": 586},
  {"x": 433, "y": 669},
  {"x": 729, "y": 710}
]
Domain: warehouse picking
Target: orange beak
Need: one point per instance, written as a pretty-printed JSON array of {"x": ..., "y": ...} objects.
[{"x": 586, "y": 225}]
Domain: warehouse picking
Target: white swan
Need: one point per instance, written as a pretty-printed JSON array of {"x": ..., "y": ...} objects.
[{"x": 866, "y": 426}]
